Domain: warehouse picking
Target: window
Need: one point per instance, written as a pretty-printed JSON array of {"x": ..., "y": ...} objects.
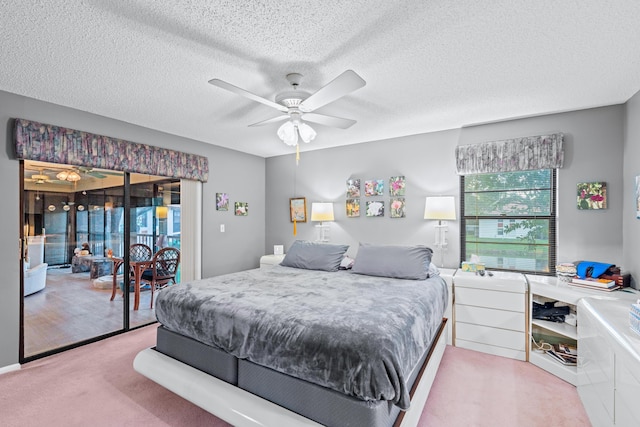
[{"x": 509, "y": 220}]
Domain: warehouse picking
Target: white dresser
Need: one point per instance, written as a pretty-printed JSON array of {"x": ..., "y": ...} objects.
[
  {"x": 490, "y": 313},
  {"x": 608, "y": 362}
]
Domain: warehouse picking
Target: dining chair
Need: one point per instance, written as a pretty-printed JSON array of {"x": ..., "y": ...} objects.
[
  {"x": 137, "y": 252},
  {"x": 140, "y": 252},
  {"x": 164, "y": 266}
]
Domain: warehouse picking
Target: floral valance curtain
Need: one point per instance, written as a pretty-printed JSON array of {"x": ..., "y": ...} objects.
[
  {"x": 54, "y": 144},
  {"x": 528, "y": 153}
]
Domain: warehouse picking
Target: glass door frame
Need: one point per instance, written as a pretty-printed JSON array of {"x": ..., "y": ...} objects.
[{"x": 125, "y": 326}]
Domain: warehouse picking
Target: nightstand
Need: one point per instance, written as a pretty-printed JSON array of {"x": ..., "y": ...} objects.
[{"x": 268, "y": 261}]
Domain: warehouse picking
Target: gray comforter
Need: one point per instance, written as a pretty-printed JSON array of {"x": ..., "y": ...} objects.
[{"x": 359, "y": 335}]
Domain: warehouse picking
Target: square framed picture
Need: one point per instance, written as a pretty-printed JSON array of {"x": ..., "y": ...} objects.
[
  {"x": 592, "y": 195},
  {"x": 241, "y": 208},
  {"x": 353, "y": 208},
  {"x": 396, "y": 206},
  {"x": 222, "y": 202},
  {"x": 375, "y": 208},
  {"x": 298, "y": 209},
  {"x": 374, "y": 187},
  {"x": 396, "y": 186},
  {"x": 353, "y": 188}
]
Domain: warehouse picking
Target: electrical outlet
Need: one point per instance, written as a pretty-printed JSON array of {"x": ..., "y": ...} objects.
[{"x": 222, "y": 228}]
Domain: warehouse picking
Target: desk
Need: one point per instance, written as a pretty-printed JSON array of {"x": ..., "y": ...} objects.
[{"x": 138, "y": 268}]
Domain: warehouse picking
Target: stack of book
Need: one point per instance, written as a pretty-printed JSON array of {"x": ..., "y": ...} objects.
[
  {"x": 597, "y": 284},
  {"x": 564, "y": 353}
]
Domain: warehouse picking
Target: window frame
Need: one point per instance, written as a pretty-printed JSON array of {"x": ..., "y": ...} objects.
[{"x": 552, "y": 218}]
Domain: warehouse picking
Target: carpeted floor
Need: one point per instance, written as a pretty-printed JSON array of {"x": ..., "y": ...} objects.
[{"x": 96, "y": 385}]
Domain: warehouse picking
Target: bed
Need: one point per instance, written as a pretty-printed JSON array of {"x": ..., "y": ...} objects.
[{"x": 294, "y": 345}]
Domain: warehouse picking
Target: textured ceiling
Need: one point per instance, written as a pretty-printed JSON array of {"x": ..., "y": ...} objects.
[{"x": 429, "y": 65}]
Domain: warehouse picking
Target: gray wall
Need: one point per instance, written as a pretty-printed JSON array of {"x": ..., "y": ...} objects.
[
  {"x": 631, "y": 224},
  {"x": 426, "y": 161},
  {"x": 593, "y": 152},
  {"x": 240, "y": 175}
]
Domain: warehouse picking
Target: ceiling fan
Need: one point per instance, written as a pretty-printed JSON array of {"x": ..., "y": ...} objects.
[
  {"x": 63, "y": 175},
  {"x": 298, "y": 106},
  {"x": 39, "y": 177}
]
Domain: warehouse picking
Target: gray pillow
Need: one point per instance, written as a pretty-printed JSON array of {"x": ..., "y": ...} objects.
[
  {"x": 401, "y": 262},
  {"x": 314, "y": 256},
  {"x": 433, "y": 270}
]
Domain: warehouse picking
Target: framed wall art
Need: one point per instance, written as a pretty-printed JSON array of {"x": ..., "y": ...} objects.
[
  {"x": 298, "y": 209},
  {"x": 592, "y": 195},
  {"x": 353, "y": 188},
  {"x": 374, "y": 187},
  {"x": 396, "y": 206},
  {"x": 222, "y": 202},
  {"x": 375, "y": 208},
  {"x": 241, "y": 208},
  {"x": 396, "y": 186},
  {"x": 353, "y": 208}
]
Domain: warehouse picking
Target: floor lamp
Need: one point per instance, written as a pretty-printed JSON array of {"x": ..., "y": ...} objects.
[
  {"x": 443, "y": 209},
  {"x": 322, "y": 212}
]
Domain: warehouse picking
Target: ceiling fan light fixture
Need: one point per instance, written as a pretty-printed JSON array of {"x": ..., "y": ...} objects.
[
  {"x": 307, "y": 134},
  {"x": 39, "y": 177},
  {"x": 295, "y": 103},
  {"x": 288, "y": 133},
  {"x": 73, "y": 176}
]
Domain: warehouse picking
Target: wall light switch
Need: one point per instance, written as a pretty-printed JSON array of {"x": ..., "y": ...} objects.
[{"x": 222, "y": 228}]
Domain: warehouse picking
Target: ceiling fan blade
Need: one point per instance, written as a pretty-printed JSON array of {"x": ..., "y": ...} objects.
[
  {"x": 272, "y": 120},
  {"x": 228, "y": 86},
  {"x": 323, "y": 119},
  {"x": 342, "y": 85}
]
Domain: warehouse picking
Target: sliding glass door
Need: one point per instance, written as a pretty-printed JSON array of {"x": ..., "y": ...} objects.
[{"x": 74, "y": 234}]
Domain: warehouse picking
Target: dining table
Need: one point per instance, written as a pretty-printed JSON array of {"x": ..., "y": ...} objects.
[{"x": 138, "y": 268}]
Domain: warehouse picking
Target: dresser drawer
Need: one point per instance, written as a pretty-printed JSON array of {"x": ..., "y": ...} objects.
[
  {"x": 490, "y": 299},
  {"x": 492, "y": 349},
  {"x": 502, "y": 319},
  {"x": 627, "y": 388},
  {"x": 490, "y": 336}
]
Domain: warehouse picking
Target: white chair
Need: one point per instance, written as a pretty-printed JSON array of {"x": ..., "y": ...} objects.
[{"x": 35, "y": 279}]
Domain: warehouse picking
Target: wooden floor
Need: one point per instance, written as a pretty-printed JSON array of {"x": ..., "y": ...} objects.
[{"x": 70, "y": 309}]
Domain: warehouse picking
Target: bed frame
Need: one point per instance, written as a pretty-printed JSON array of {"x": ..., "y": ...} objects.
[{"x": 211, "y": 386}]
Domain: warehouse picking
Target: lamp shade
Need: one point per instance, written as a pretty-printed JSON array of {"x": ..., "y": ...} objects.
[
  {"x": 288, "y": 133},
  {"x": 321, "y": 211},
  {"x": 440, "y": 208},
  {"x": 307, "y": 134},
  {"x": 161, "y": 212}
]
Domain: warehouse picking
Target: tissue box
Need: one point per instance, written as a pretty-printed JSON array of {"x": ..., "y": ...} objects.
[{"x": 468, "y": 266}]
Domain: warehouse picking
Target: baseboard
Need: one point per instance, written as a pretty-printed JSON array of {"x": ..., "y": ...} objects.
[{"x": 9, "y": 368}]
